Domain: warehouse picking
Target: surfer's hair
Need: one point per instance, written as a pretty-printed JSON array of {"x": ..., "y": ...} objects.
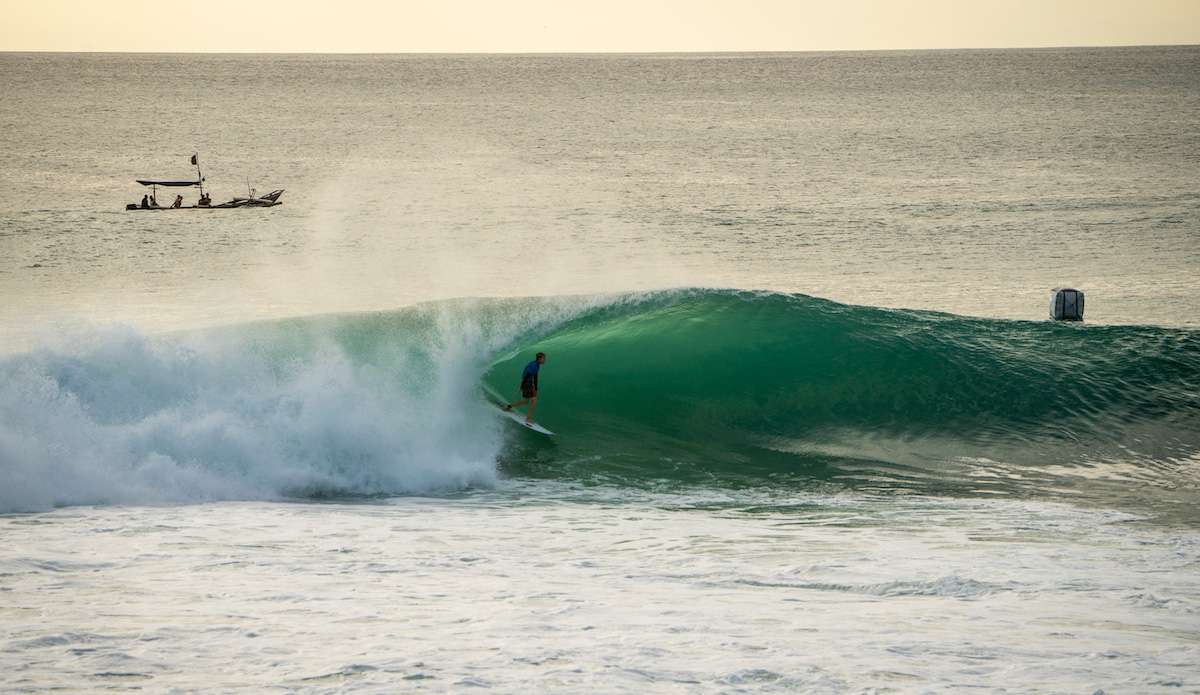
[{"x": 540, "y": 354}]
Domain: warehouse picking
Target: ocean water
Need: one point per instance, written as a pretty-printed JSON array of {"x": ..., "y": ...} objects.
[{"x": 815, "y": 430}]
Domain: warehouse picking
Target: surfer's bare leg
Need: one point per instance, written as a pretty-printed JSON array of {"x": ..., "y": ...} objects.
[{"x": 529, "y": 413}]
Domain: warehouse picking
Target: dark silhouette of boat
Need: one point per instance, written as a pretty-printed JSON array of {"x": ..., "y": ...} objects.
[{"x": 150, "y": 202}]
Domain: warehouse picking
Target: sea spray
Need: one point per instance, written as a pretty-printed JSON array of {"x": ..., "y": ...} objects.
[{"x": 263, "y": 411}]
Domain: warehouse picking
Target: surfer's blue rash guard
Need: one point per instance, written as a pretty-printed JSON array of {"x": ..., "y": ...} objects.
[{"x": 530, "y": 373}]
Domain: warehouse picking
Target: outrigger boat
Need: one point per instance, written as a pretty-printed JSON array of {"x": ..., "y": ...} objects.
[{"x": 149, "y": 201}]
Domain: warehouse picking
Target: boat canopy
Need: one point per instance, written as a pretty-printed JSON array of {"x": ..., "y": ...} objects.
[{"x": 169, "y": 183}]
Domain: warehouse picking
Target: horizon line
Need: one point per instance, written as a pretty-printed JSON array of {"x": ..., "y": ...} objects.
[{"x": 645, "y": 52}]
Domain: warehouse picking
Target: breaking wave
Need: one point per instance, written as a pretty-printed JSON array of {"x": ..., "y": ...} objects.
[{"x": 693, "y": 387}]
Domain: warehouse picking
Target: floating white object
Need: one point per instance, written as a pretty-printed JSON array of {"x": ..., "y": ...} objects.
[{"x": 1066, "y": 305}]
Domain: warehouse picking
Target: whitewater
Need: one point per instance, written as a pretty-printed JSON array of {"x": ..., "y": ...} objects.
[{"x": 816, "y": 432}]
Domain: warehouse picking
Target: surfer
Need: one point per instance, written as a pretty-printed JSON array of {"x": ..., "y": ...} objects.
[{"x": 529, "y": 385}]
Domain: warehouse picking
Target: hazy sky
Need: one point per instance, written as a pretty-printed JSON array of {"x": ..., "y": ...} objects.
[{"x": 534, "y": 26}]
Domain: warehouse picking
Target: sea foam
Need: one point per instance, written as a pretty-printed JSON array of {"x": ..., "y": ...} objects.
[{"x": 268, "y": 411}]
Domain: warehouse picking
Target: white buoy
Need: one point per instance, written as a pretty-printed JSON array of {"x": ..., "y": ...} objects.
[{"x": 1066, "y": 305}]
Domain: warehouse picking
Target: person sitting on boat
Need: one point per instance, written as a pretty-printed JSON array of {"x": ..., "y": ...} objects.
[
  {"x": 146, "y": 201},
  {"x": 205, "y": 201},
  {"x": 178, "y": 201}
]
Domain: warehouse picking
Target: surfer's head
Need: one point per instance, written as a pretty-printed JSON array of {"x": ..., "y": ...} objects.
[{"x": 541, "y": 357}]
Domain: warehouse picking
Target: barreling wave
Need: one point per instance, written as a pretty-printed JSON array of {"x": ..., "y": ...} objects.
[
  {"x": 759, "y": 388},
  {"x": 718, "y": 388}
]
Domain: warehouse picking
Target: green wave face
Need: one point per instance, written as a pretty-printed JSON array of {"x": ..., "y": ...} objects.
[{"x": 747, "y": 387}]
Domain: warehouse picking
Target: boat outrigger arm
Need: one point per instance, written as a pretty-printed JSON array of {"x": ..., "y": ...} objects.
[{"x": 149, "y": 202}]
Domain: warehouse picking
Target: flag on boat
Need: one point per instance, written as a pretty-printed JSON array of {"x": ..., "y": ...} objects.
[{"x": 194, "y": 161}]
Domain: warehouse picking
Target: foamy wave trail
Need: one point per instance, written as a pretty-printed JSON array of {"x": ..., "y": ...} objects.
[
  {"x": 338, "y": 405},
  {"x": 760, "y": 388}
]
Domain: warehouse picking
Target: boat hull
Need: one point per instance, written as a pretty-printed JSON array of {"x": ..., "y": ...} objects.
[{"x": 267, "y": 201}]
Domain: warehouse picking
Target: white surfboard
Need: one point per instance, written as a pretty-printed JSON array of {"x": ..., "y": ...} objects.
[{"x": 518, "y": 417}]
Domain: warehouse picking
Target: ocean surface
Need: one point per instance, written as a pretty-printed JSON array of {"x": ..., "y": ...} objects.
[{"x": 815, "y": 429}]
